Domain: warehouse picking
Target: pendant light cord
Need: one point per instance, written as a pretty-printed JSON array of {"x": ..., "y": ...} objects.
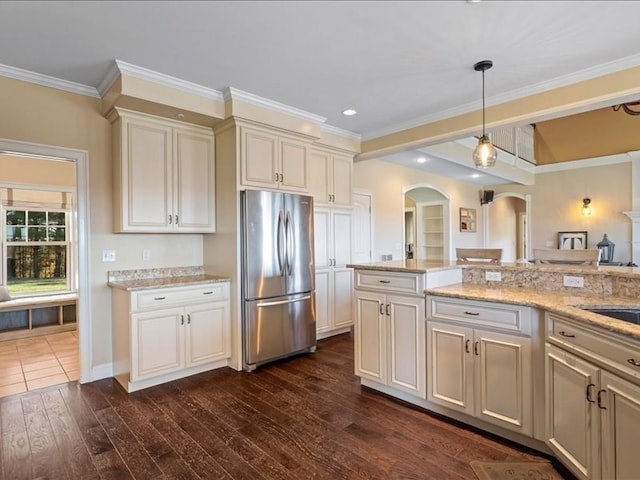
[{"x": 483, "y": 102}]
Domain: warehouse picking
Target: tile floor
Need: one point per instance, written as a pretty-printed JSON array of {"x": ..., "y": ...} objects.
[{"x": 31, "y": 363}]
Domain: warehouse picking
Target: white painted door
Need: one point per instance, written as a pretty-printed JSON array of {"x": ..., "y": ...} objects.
[
  {"x": 207, "y": 333},
  {"x": 370, "y": 336},
  {"x": 407, "y": 369},
  {"x": 450, "y": 375},
  {"x": 293, "y": 169},
  {"x": 362, "y": 225},
  {"x": 342, "y": 290},
  {"x": 503, "y": 380},
  {"x": 259, "y": 158},
  {"x": 573, "y": 425},
  {"x": 342, "y": 184}
]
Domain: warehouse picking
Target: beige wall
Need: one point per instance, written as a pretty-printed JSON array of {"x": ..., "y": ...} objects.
[
  {"x": 42, "y": 115},
  {"x": 387, "y": 182},
  {"x": 556, "y": 202}
]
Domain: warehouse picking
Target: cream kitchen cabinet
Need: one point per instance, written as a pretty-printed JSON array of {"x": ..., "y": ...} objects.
[
  {"x": 330, "y": 177},
  {"x": 164, "y": 175},
  {"x": 592, "y": 400},
  {"x": 167, "y": 333},
  {"x": 271, "y": 160},
  {"x": 389, "y": 330},
  {"x": 334, "y": 281},
  {"x": 479, "y": 360}
]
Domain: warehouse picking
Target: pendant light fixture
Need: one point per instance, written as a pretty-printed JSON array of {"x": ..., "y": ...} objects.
[{"x": 485, "y": 154}]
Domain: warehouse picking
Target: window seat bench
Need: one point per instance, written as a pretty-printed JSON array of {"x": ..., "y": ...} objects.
[{"x": 42, "y": 315}]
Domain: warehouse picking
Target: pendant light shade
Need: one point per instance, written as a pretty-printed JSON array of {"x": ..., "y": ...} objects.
[{"x": 485, "y": 154}]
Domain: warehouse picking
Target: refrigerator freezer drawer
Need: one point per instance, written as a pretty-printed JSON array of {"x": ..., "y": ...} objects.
[{"x": 278, "y": 327}]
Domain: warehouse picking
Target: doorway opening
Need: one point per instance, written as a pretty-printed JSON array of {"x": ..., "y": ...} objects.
[
  {"x": 508, "y": 226},
  {"x": 426, "y": 224}
]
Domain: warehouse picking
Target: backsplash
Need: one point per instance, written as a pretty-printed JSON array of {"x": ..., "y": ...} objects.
[{"x": 154, "y": 273}]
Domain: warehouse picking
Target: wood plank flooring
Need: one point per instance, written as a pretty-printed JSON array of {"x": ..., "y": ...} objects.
[{"x": 301, "y": 418}]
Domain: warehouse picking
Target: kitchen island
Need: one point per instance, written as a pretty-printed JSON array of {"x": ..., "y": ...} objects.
[{"x": 511, "y": 349}]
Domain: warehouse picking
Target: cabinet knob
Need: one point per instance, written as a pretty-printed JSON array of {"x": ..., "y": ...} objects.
[{"x": 633, "y": 362}]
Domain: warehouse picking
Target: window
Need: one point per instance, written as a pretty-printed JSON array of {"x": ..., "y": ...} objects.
[{"x": 37, "y": 250}]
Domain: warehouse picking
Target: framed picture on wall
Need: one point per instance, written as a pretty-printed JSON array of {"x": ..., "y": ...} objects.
[
  {"x": 572, "y": 240},
  {"x": 467, "y": 219}
]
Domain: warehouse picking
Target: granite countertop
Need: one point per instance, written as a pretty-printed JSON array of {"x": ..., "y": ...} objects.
[
  {"x": 150, "y": 283},
  {"x": 405, "y": 266},
  {"x": 562, "y": 303}
]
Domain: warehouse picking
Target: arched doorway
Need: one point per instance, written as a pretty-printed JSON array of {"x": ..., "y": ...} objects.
[
  {"x": 426, "y": 224},
  {"x": 507, "y": 226}
]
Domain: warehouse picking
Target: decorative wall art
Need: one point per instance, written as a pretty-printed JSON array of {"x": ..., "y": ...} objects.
[
  {"x": 572, "y": 240},
  {"x": 467, "y": 219}
]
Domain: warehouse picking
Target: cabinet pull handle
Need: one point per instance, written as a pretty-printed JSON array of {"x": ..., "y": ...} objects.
[
  {"x": 282, "y": 178},
  {"x": 181, "y": 319},
  {"x": 159, "y": 298},
  {"x": 565, "y": 334},
  {"x": 188, "y": 318},
  {"x": 633, "y": 362},
  {"x": 472, "y": 313},
  {"x": 169, "y": 219},
  {"x": 466, "y": 346},
  {"x": 388, "y": 309},
  {"x": 277, "y": 177},
  {"x": 475, "y": 348},
  {"x": 589, "y": 387},
  {"x": 208, "y": 293},
  {"x": 381, "y": 309},
  {"x": 176, "y": 219},
  {"x": 385, "y": 281},
  {"x": 600, "y": 392}
]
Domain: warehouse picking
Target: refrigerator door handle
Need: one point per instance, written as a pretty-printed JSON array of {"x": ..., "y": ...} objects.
[
  {"x": 283, "y": 302},
  {"x": 289, "y": 243},
  {"x": 281, "y": 244}
]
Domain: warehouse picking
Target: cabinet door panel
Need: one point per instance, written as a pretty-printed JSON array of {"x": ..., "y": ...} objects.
[
  {"x": 294, "y": 165},
  {"x": 319, "y": 176},
  {"x": 406, "y": 342},
  {"x": 342, "y": 188},
  {"x": 503, "y": 380},
  {"x": 620, "y": 427},
  {"x": 148, "y": 176},
  {"x": 342, "y": 297},
  {"x": 450, "y": 377},
  {"x": 323, "y": 303},
  {"x": 572, "y": 421},
  {"x": 207, "y": 333},
  {"x": 157, "y": 343},
  {"x": 259, "y": 160},
  {"x": 342, "y": 237},
  {"x": 370, "y": 337},
  {"x": 322, "y": 237},
  {"x": 195, "y": 182}
]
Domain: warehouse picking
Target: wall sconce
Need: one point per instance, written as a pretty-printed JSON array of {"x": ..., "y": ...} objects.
[{"x": 586, "y": 206}]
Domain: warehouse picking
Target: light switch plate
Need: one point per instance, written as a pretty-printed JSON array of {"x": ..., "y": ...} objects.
[{"x": 108, "y": 255}]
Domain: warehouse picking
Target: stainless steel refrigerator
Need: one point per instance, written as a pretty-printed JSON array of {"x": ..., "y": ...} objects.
[{"x": 278, "y": 276}]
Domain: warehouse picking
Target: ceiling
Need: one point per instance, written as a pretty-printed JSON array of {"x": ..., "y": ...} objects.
[{"x": 397, "y": 63}]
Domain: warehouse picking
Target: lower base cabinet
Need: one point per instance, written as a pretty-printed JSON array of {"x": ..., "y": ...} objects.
[
  {"x": 389, "y": 336},
  {"x": 593, "y": 414},
  {"x": 168, "y": 333}
]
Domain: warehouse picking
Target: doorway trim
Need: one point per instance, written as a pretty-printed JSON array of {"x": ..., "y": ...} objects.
[
  {"x": 81, "y": 159},
  {"x": 486, "y": 215}
]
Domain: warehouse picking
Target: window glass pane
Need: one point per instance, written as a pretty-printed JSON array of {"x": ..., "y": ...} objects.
[
  {"x": 57, "y": 218},
  {"x": 37, "y": 234},
  {"x": 37, "y": 218},
  {"x": 16, "y": 234},
  {"x": 36, "y": 269},
  {"x": 57, "y": 234},
  {"x": 15, "y": 217}
]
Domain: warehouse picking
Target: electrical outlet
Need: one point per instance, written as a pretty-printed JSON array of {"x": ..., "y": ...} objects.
[
  {"x": 577, "y": 282},
  {"x": 108, "y": 255},
  {"x": 493, "y": 276},
  {"x": 146, "y": 254},
  {"x": 387, "y": 257}
]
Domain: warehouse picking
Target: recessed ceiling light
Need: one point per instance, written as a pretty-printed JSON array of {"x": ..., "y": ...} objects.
[
  {"x": 476, "y": 175},
  {"x": 421, "y": 160},
  {"x": 349, "y": 112}
]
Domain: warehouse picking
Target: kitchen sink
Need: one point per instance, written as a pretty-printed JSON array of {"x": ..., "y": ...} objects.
[{"x": 630, "y": 315}]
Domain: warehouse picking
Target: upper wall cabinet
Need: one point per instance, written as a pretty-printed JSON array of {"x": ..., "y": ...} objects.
[
  {"x": 164, "y": 176},
  {"x": 271, "y": 160},
  {"x": 330, "y": 177}
]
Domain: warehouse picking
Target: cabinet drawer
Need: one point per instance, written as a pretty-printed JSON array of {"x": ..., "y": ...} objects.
[
  {"x": 512, "y": 318},
  {"x": 409, "y": 283},
  {"x": 613, "y": 353},
  {"x": 171, "y": 296}
]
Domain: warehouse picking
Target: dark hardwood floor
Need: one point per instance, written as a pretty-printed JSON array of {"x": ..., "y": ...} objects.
[{"x": 301, "y": 418}]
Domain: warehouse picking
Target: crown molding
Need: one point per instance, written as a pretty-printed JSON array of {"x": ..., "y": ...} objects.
[
  {"x": 558, "y": 82},
  {"x": 165, "y": 80},
  {"x": 47, "y": 81},
  {"x": 341, "y": 132},
  {"x": 585, "y": 163},
  {"x": 231, "y": 93}
]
